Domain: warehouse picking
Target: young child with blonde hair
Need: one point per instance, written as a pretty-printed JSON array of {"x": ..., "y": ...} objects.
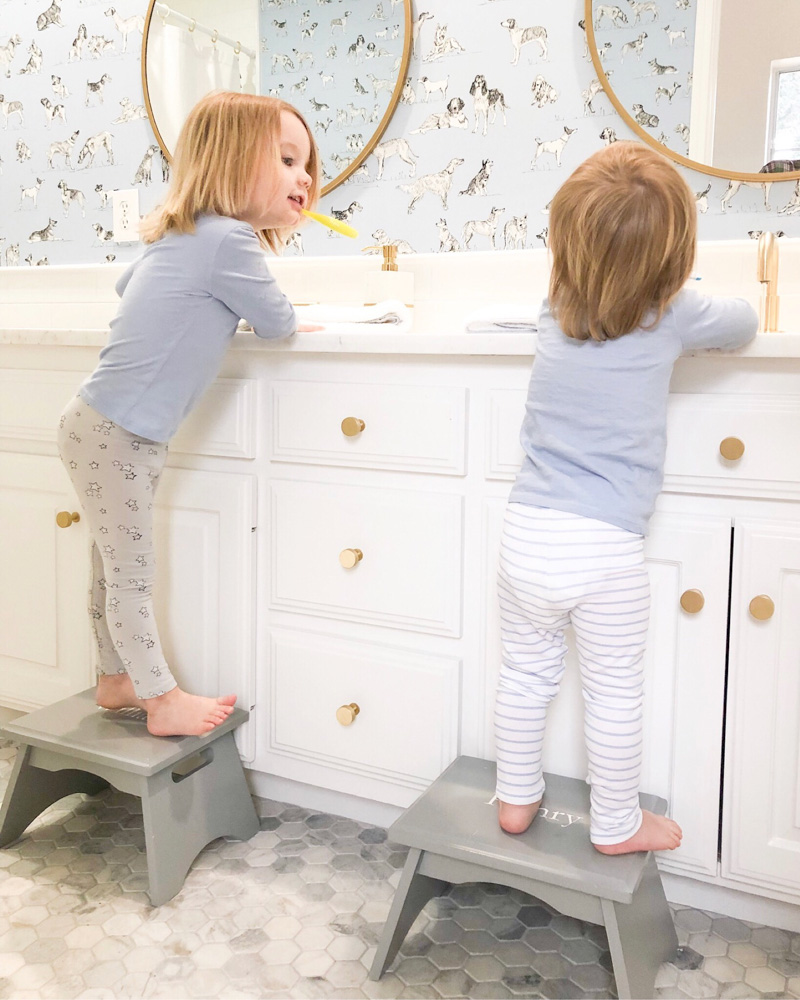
[
  {"x": 244, "y": 168},
  {"x": 623, "y": 241}
]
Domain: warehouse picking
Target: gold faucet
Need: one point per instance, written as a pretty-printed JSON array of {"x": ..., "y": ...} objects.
[{"x": 767, "y": 273}]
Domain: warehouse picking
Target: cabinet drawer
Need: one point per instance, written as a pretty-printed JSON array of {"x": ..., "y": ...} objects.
[
  {"x": 222, "y": 424},
  {"x": 32, "y": 401},
  {"x": 406, "y": 427},
  {"x": 407, "y": 725},
  {"x": 410, "y": 573},
  {"x": 767, "y": 427}
]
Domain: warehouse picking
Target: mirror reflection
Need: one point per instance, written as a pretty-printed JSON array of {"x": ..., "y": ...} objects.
[
  {"x": 717, "y": 81},
  {"x": 339, "y": 62}
]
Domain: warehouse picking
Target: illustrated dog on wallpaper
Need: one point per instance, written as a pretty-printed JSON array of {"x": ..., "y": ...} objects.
[
  {"x": 522, "y": 36},
  {"x": 72, "y": 196},
  {"x": 395, "y": 147},
  {"x": 9, "y": 108},
  {"x": 483, "y": 227},
  {"x": 447, "y": 242},
  {"x": 438, "y": 184},
  {"x": 553, "y": 146},
  {"x": 793, "y": 205},
  {"x": 62, "y": 148},
  {"x": 7, "y": 52}
]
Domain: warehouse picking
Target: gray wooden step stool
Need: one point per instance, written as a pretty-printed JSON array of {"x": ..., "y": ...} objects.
[
  {"x": 192, "y": 788},
  {"x": 454, "y": 836}
]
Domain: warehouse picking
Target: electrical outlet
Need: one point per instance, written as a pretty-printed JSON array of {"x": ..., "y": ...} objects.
[{"x": 125, "y": 215}]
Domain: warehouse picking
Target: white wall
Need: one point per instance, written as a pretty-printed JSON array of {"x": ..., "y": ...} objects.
[{"x": 751, "y": 36}]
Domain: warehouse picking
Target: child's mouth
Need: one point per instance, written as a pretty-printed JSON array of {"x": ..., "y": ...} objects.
[{"x": 296, "y": 199}]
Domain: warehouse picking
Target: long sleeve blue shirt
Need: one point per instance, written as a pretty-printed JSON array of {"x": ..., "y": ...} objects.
[
  {"x": 594, "y": 432},
  {"x": 181, "y": 302}
]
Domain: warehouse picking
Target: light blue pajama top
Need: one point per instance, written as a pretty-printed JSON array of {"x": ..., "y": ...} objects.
[
  {"x": 181, "y": 302},
  {"x": 595, "y": 427}
]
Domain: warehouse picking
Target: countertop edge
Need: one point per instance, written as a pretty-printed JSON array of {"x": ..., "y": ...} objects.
[{"x": 767, "y": 345}]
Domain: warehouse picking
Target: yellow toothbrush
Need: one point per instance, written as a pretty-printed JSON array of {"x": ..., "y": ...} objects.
[{"x": 335, "y": 224}]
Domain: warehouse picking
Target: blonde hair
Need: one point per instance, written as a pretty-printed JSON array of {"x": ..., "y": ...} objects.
[
  {"x": 220, "y": 146},
  {"x": 623, "y": 232}
]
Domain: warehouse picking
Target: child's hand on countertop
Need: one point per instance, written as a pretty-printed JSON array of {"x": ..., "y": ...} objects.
[{"x": 309, "y": 327}]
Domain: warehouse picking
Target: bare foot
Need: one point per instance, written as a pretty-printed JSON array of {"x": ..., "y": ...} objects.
[
  {"x": 178, "y": 713},
  {"x": 116, "y": 691},
  {"x": 517, "y": 819},
  {"x": 657, "y": 833}
]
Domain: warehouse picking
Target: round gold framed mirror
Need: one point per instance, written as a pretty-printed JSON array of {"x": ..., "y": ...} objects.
[
  {"x": 342, "y": 65},
  {"x": 710, "y": 83}
]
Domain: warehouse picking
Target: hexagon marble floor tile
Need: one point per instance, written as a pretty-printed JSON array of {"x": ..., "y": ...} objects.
[{"x": 297, "y": 911}]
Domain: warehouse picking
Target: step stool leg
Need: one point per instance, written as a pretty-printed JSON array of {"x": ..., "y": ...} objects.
[
  {"x": 186, "y": 807},
  {"x": 32, "y": 789},
  {"x": 641, "y": 935},
  {"x": 413, "y": 892}
]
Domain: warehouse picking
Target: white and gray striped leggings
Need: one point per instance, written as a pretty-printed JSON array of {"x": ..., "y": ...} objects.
[{"x": 558, "y": 569}]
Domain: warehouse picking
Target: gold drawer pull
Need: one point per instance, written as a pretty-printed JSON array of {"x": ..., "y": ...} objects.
[
  {"x": 65, "y": 520},
  {"x": 692, "y": 601},
  {"x": 346, "y": 714},
  {"x": 349, "y": 557},
  {"x": 732, "y": 449},
  {"x": 351, "y": 426},
  {"x": 762, "y": 608}
]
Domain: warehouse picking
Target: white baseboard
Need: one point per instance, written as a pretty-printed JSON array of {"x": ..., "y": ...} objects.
[
  {"x": 268, "y": 786},
  {"x": 731, "y": 902}
]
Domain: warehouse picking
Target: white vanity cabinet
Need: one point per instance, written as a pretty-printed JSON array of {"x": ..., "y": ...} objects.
[
  {"x": 365, "y": 502},
  {"x": 205, "y": 584},
  {"x": 761, "y": 819},
  {"x": 205, "y": 524},
  {"x": 45, "y": 651},
  {"x": 328, "y": 528}
]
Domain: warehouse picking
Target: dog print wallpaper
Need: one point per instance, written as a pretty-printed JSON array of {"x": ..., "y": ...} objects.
[
  {"x": 647, "y": 52},
  {"x": 501, "y": 102},
  {"x": 308, "y": 58}
]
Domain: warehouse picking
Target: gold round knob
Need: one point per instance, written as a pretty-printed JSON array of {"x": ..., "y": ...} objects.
[
  {"x": 346, "y": 714},
  {"x": 762, "y": 607},
  {"x": 732, "y": 449},
  {"x": 692, "y": 601},
  {"x": 352, "y": 426},
  {"x": 349, "y": 557},
  {"x": 64, "y": 519}
]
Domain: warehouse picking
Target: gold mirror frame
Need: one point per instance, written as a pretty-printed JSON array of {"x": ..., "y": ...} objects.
[
  {"x": 704, "y": 168},
  {"x": 369, "y": 146}
]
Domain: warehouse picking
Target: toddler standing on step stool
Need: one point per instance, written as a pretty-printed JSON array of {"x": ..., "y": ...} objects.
[
  {"x": 623, "y": 240},
  {"x": 245, "y": 167}
]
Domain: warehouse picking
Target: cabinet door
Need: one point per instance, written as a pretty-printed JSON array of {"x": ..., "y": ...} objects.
[
  {"x": 205, "y": 584},
  {"x": 762, "y": 746},
  {"x": 684, "y": 679},
  {"x": 45, "y": 639}
]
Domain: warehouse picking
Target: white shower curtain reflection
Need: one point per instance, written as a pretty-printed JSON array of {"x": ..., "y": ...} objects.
[{"x": 183, "y": 66}]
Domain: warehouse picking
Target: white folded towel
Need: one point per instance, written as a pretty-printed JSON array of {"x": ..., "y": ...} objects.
[
  {"x": 504, "y": 319},
  {"x": 391, "y": 314}
]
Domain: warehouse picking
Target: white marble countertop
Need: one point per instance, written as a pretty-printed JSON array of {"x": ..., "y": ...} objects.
[{"x": 347, "y": 339}]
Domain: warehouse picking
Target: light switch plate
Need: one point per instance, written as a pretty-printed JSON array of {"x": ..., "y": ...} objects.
[{"x": 125, "y": 215}]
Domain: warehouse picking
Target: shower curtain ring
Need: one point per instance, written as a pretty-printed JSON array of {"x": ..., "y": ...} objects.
[
  {"x": 214, "y": 37},
  {"x": 193, "y": 25},
  {"x": 237, "y": 48}
]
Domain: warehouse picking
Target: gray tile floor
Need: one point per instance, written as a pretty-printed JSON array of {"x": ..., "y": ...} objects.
[{"x": 297, "y": 911}]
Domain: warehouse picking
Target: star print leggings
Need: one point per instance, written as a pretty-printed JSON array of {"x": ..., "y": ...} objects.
[{"x": 115, "y": 474}]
